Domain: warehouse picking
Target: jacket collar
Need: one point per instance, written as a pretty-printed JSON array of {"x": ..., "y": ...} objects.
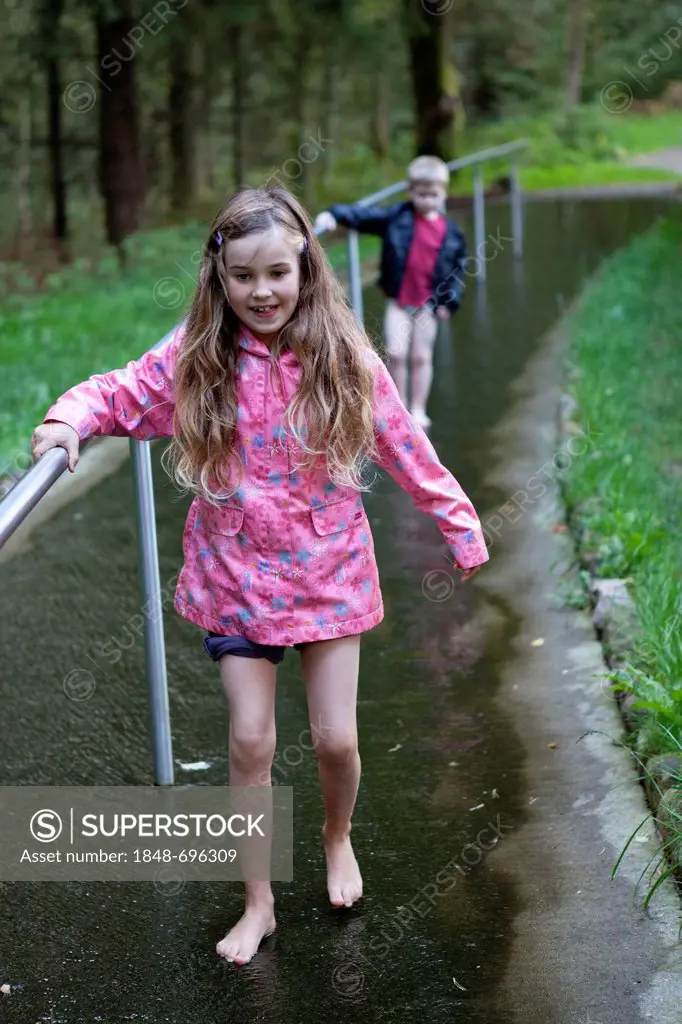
[{"x": 258, "y": 348}]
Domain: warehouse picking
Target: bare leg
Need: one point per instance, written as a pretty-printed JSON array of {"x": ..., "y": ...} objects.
[
  {"x": 424, "y": 336},
  {"x": 397, "y": 332},
  {"x": 330, "y": 668},
  {"x": 249, "y": 685}
]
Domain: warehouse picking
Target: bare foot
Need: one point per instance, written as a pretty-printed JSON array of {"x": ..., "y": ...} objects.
[
  {"x": 344, "y": 881},
  {"x": 420, "y": 417},
  {"x": 242, "y": 941}
]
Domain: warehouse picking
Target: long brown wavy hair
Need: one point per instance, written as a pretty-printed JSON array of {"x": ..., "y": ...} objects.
[{"x": 329, "y": 416}]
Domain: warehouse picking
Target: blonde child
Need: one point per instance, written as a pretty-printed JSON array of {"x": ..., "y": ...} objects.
[
  {"x": 275, "y": 402},
  {"x": 421, "y": 272}
]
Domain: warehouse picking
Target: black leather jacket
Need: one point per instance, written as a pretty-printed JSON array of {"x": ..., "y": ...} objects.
[{"x": 395, "y": 226}]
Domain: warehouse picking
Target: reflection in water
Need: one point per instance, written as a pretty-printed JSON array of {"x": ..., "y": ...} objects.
[
  {"x": 260, "y": 982},
  {"x": 519, "y": 276},
  {"x": 482, "y": 304}
]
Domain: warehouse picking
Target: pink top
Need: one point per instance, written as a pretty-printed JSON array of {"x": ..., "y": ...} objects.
[
  {"x": 416, "y": 287},
  {"x": 289, "y": 557}
]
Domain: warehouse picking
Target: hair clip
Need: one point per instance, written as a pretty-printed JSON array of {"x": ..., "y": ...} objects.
[
  {"x": 304, "y": 247},
  {"x": 219, "y": 238}
]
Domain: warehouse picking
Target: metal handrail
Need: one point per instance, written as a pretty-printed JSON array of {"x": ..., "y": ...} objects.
[
  {"x": 27, "y": 492},
  {"x": 24, "y": 497},
  {"x": 32, "y": 487}
]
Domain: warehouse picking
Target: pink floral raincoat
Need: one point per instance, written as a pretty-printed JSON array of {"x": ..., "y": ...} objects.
[{"x": 289, "y": 558}]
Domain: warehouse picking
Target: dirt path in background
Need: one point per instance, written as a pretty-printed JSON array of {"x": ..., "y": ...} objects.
[{"x": 660, "y": 159}]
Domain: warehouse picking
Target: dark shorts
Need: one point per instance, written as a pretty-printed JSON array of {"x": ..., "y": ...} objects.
[{"x": 216, "y": 645}]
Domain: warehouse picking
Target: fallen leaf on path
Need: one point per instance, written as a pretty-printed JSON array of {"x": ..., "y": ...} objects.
[
  {"x": 458, "y": 985},
  {"x": 552, "y": 745},
  {"x": 6, "y": 989},
  {"x": 194, "y": 766},
  {"x": 396, "y": 747},
  {"x": 538, "y": 642},
  {"x": 495, "y": 795},
  {"x": 477, "y": 807},
  {"x": 559, "y": 528}
]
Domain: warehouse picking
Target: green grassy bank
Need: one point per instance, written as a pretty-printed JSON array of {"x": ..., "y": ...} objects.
[{"x": 625, "y": 494}]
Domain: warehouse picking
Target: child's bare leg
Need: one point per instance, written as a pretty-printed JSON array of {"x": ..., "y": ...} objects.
[
  {"x": 249, "y": 685},
  {"x": 423, "y": 338},
  {"x": 330, "y": 668},
  {"x": 397, "y": 334}
]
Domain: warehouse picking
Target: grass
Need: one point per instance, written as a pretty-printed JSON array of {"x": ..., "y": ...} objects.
[
  {"x": 631, "y": 132},
  {"x": 584, "y": 147},
  {"x": 90, "y": 318},
  {"x": 666, "y": 859},
  {"x": 639, "y": 133},
  {"x": 589, "y": 175},
  {"x": 625, "y": 365}
]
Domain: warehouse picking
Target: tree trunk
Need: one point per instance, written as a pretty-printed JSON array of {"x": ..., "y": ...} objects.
[
  {"x": 23, "y": 173},
  {"x": 329, "y": 116},
  {"x": 576, "y": 42},
  {"x": 484, "y": 92},
  {"x": 54, "y": 142},
  {"x": 121, "y": 171},
  {"x": 182, "y": 117},
  {"x": 296, "y": 171},
  {"x": 49, "y": 21},
  {"x": 205, "y": 161},
  {"x": 238, "y": 162},
  {"x": 380, "y": 139},
  {"x": 435, "y": 105}
]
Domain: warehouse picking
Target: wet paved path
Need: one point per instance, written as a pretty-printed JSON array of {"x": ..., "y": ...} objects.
[{"x": 448, "y": 746}]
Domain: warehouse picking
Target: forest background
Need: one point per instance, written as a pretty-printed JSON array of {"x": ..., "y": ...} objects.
[{"x": 117, "y": 115}]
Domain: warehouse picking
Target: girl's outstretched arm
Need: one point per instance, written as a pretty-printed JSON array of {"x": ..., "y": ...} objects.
[
  {"x": 136, "y": 401},
  {"x": 408, "y": 455}
]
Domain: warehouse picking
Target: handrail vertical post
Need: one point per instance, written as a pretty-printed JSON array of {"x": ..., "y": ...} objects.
[
  {"x": 516, "y": 209},
  {"x": 479, "y": 221},
  {"x": 155, "y": 651},
  {"x": 355, "y": 275}
]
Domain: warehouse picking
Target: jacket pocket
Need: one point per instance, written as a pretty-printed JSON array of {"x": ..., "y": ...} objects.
[
  {"x": 336, "y": 516},
  {"x": 226, "y": 520}
]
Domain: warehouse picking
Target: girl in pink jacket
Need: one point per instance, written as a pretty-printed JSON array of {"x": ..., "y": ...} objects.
[{"x": 276, "y": 405}]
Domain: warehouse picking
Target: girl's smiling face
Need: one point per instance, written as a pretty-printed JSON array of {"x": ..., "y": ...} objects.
[{"x": 263, "y": 280}]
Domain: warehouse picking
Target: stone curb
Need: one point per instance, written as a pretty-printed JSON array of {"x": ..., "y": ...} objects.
[{"x": 616, "y": 625}]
